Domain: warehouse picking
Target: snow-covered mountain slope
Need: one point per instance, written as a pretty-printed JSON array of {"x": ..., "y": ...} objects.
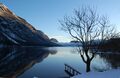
[{"x": 19, "y": 31}]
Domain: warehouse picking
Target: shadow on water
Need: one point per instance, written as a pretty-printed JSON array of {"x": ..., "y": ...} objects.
[{"x": 16, "y": 60}]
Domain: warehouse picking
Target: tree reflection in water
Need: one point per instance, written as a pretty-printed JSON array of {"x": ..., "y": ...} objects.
[
  {"x": 112, "y": 58},
  {"x": 16, "y": 60}
]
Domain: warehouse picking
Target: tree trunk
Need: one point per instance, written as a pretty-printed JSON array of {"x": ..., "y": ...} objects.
[{"x": 88, "y": 66}]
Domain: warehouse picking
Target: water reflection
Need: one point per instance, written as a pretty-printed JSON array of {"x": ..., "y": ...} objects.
[
  {"x": 112, "y": 58},
  {"x": 30, "y": 62},
  {"x": 16, "y": 60}
]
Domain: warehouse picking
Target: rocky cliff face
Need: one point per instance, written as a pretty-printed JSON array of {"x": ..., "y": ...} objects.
[{"x": 15, "y": 29}]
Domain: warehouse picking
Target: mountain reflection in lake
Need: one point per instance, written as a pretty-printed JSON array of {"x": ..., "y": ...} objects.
[
  {"x": 41, "y": 62},
  {"x": 16, "y": 60}
]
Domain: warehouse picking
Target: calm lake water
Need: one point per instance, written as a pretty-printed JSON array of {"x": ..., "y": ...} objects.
[{"x": 48, "y": 62}]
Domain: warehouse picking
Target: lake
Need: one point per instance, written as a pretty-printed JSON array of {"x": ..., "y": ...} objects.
[{"x": 48, "y": 62}]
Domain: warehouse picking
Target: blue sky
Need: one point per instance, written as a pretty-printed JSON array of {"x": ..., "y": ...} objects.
[{"x": 44, "y": 14}]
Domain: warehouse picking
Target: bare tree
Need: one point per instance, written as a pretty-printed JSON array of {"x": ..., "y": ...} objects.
[
  {"x": 86, "y": 26},
  {"x": 107, "y": 30}
]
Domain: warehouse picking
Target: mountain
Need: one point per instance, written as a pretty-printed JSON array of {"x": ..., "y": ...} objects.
[
  {"x": 16, "y": 30},
  {"x": 54, "y": 40}
]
